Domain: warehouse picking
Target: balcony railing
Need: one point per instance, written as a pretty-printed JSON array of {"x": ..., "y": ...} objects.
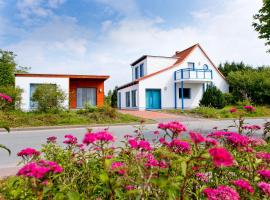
[{"x": 193, "y": 74}]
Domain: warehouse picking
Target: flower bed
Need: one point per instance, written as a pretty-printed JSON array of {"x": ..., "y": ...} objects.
[{"x": 221, "y": 165}]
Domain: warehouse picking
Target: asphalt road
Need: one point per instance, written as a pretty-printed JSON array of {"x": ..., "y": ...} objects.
[{"x": 17, "y": 140}]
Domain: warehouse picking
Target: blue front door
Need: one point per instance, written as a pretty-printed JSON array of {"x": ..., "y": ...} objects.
[{"x": 153, "y": 99}]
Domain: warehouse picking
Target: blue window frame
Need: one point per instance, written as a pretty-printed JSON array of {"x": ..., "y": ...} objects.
[
  {"x": 133, "y": 98},
  {"x": 191, "y": 65},
  {"x": 186, "y": 93},
  {"x": 127, "y": 99},
  {"x": 141, "y": 70},
  {"x": 136, "y": 72}
]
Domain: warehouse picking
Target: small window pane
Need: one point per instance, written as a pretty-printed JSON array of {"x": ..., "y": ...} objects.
[
  {"x": 141, "y": 70},
  {"x": 127, "y": 99},
  {"x": 191, "y": 65},
  {"x": 136, "y": 72},
  {"x": 133, "y": 97},
  {"x": 186, "y": 93}
]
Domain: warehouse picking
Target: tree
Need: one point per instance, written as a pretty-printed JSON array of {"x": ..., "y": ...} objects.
[
  {"x": 49, "y": 97},
  {"x": 262, "y": 22},
  {"x": 7, "y": 68},
  {"x": 114, "y": 98},
  {"x": 227, "y": 67},
  {"x": 108, "y": 98},
  {"x": 213, "y": 97}
]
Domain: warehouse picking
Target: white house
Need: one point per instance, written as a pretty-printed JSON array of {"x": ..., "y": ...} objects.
[{"x": 176, "y": 82}]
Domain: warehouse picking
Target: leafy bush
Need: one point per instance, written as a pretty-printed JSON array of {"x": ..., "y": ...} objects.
[
  {"x": 49, "y": 97},
  {"x": 252, "y": 85},
  {"x": 114, "y": 98},
  {"x": 221, "y": 165},
  {"x": 15, "y": 94},
  {"x": 228, "y": 98},
  {"x": 213, "y": 97}
]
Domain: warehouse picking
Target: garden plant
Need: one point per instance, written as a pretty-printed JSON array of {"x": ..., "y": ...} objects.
[{"x": 176, "y": 163}]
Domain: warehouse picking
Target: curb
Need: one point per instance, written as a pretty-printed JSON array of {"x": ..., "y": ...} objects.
[{"x": 72, "y": 126}]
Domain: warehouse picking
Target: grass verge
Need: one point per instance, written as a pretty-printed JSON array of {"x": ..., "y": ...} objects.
[
  {"x": 206, "y": 112},
  {"x": 15, "y": 119}
]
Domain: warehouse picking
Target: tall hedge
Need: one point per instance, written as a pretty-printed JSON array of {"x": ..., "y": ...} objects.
[
  {"x": 253, "y": 85},
  {"x": 213, "y": 97}
]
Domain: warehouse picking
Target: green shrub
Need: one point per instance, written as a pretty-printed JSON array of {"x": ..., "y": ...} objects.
[
  {"x": 213, "y": 97},
  {"x": 15, "y": 94},
  {"x": 49, "y": 98},
  {"x": 228, "y": 97}
]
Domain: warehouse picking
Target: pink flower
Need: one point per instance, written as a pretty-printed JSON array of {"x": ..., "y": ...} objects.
[
  {"x": 202, "y": 177},
  {"x": 117, "y": 165},
  {"x": 89, "y": 138},
  {"x": 156, "y": 132},
  {"x": 196, "y": 137},
  {"x": 51, "y": 139},
  {"x": 70, "y": 139},
  {"x": 233, "y": 110},
  {"x": 236, "y": 139},
  {"x": 28, "y": 152},
  {"x": 265, "y": 187},
  {"x": 104, "y": 136},
  {"x": 250, "y": 108},
  {"x": 162, "y": 164},
  {"x": 252, "y": 127},
  {"x": 263, "y": 155},
  {"x": 221, "y": 157},
  {"x": 211, "y": 141},
  {"x": 221, "y": 193},
  {"x": 180, "y": 146},
  {"x": 129, "y": 187},
  {"x": 133, "y": 143},
  {"x": 151, "y": 161},
  {"x": 218, "y": 134},
  {"x": 39, "y": 169},
  {"x": 163, "y": 141},
  {"x": 264, "y": 173},
  {"x": 5, "y": 97},
  {"x": 145, "y": 145},
  {"x": 244, "y": 185},
  {"x": 257, "y": 142},
  {"x": 175, "y": 127}
]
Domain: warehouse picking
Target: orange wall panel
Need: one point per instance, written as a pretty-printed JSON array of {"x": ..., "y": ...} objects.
[{"x": 85, "y": 83}]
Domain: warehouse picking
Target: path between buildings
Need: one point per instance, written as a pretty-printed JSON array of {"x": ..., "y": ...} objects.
[{"x": 161, "y": 116}]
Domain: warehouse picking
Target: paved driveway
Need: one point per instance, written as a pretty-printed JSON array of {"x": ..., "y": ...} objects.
[{"x": 160, "y": 116}]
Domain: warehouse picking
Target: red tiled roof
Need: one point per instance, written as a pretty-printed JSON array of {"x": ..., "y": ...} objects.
[{"x": 181, "y": 56}]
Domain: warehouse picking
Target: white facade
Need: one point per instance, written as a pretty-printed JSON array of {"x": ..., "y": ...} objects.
[
  {"x": 164, "y": 86},
  {"x": 25, "y": 82}
]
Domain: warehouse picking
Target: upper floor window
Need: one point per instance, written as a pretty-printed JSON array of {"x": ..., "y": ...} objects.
[
  {"x": 191, "y": 65},
  {"x": 136, "y": 72},
  {"x": 141, "y": 70}
]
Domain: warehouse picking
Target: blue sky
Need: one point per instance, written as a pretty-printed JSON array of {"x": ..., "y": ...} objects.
[{"x": 105, "y": 36}]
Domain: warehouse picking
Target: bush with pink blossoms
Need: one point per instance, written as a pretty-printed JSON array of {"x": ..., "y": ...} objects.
[{"x": 176, "y": 164}]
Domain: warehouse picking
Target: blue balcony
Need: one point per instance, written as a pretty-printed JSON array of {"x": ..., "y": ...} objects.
[{"x": 193, "y": 75}]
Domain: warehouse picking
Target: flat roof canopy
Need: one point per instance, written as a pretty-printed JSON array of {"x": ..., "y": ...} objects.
[{"x": 103, "y": 77}]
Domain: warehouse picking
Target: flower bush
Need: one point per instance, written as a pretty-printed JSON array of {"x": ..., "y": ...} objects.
[{"x": 176, "y": 164}]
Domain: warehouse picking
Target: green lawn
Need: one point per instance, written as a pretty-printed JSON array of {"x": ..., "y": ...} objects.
[
  {"x": 206, "y": 112},
  {"x": 33, "y": 119}
]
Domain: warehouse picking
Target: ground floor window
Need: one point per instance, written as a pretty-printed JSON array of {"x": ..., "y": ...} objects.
[
  {"x": 33, "y": 87},
  {"x": 127, "y": 99},
  {"x": 133, "y": 97},
  {"x": 186, "y": 93},
  {"x": 86, "y": 96}
]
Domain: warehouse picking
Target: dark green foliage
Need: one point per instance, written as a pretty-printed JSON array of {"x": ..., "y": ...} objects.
[
  {"x": 15, "y": 94},
  {"x": 253, "y": 85},
  {"x": 114, "y": 98},
  {"x": 49, "y": 97},
  {"x": 262, "y": 23},
  {"x": 213, "y": 97},
  {"x": 229, "y": 99},
  {"x": 7, "y": 68},
  {"x": 108, "y": 98},
  {"x": 227, "y": 67}
]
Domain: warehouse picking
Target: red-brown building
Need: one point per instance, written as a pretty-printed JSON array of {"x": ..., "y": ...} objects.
[{"x": 80, "y": 89}]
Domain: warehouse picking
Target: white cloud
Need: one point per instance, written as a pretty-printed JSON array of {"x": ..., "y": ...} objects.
[
  {"x": 62, "y": 46},
  {"x": 29, "y": 9}
]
